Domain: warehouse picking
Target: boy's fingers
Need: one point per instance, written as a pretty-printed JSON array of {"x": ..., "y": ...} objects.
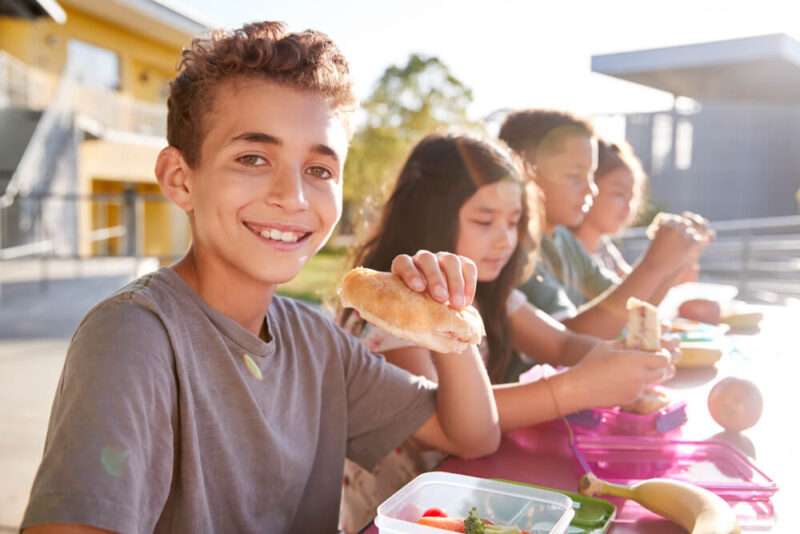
[
  {"x": 403, "y": 266},
  {"x": 428, "y": 264},
  {"x": 451, "y": 265},
  {"x": 470, "y": 273}
]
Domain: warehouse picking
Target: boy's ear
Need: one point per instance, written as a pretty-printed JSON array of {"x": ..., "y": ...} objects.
[{"x": 172, "y": 174}]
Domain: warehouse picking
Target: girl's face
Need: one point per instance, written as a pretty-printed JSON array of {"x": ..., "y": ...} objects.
[
  {"x": 488, "y": 227},
  {"x": 612, "y": 206},
  {"x": 566, "y": 179}
]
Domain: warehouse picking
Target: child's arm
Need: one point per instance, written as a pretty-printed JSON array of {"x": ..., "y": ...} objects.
[
  {"x": 608, "y": 376},
  {"x": 538, "y": 335},
  {"x": 466, "y": 421},
  {"x": 605, "y": 316}
]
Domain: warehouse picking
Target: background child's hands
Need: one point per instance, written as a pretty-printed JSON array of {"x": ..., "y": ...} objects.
[
  {"x": 610, "y": 375},
  {"x": 446, "y": 276},
  {"x": 677, "y": 242}
]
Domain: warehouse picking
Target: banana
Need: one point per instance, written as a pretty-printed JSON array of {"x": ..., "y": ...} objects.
[{"x": 696, "y": 509}]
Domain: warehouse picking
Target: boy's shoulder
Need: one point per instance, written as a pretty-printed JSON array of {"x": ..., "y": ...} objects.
[{"x": 139, "y": 304}]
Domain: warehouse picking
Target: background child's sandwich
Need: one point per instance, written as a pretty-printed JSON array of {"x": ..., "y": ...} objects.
[{"x": 644, "y": 330}]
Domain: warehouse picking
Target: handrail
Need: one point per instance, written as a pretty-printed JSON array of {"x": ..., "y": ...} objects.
[
  {"x": 31, "y": 249},
  {"x": 765, "y": 223}
]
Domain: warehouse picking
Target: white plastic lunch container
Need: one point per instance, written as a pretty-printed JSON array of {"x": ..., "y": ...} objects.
[{"x": 535, "y": 510}]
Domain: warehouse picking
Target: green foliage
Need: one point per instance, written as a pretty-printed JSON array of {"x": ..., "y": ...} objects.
[
  {"x": 318, "y": 280},
  {"x": 407, "y": 103}
]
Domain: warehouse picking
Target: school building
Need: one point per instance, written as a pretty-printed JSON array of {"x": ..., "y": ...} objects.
[
  {"x": 83, "y": 88},
  {"x": 729, "y": 150}
]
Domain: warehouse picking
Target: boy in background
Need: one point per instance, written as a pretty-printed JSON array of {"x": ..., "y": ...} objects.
[
  {"x": 195, "y": 400},
  {"x": 559, "y": 150}
]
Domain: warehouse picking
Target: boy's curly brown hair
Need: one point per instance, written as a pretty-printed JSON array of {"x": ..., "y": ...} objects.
[{"x": 309, "y": 61}]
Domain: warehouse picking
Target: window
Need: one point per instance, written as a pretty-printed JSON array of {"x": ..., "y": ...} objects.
[{"x": 93, "y": 66}]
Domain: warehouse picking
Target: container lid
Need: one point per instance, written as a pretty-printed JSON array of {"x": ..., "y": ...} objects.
[
  {"x": 528, "y": 508},
  {"x": 592, "y": 515},
  {"x": 714, "y": 464}
]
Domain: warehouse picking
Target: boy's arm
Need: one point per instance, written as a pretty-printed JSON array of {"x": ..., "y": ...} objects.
[
  {"x": 108, "y": 456},
  {"x": 538, "y": 335},
  {"x": 605, "y": 316},
  {"x": 466, "y": 421}
]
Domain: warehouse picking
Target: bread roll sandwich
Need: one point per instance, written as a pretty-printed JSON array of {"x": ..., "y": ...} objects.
[
  {"x": 644, "y": 333},
  {"x": 384, "y": 300},
  {"x": 644, "y": 329}
]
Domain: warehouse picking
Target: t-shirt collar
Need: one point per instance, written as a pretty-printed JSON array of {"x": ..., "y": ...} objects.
[{"x": 251, "y": 343}]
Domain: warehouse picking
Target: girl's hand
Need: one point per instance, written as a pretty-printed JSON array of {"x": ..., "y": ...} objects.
[
  {"x": 610, "y": 375},
  {"x": 447, "y": 277}
]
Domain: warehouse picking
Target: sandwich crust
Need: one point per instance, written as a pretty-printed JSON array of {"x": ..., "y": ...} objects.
[{"x": 384, "y": 300}]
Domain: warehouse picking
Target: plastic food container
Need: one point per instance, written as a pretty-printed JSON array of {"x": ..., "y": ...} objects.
[
  {"x": 715, "y": 465},
  {"x": 616, "y": 422},
  {"x": 536, "y": 510}
]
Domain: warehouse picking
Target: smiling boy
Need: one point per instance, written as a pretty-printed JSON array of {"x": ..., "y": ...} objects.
[{"x": 195, "y": 400}]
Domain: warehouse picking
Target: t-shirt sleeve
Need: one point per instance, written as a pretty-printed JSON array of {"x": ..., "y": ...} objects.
[
  {"x": 596, "y": 278},
  {"x": 108, "y": 456},
  {"x": 386, "y": 404},
  {"x": 546, "y": 292}
]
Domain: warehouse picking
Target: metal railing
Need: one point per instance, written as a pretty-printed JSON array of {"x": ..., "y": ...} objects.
[{"x": 759, "y": 256}]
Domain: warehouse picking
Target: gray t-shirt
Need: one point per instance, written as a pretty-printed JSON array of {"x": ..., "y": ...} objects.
[
  {"x": 566, "y": 276},
  {"x": 171, "y": 417}
]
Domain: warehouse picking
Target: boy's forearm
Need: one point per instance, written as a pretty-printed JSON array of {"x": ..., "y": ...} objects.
[
  {"x": 465, "y": 404},
  {"x": 606, "y": 315}
]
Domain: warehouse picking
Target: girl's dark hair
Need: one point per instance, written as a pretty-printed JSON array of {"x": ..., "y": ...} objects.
[{"x": 442, "y": 172}]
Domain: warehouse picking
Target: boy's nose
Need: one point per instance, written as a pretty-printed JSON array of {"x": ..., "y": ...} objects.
[{"x": 286, "y": 191}]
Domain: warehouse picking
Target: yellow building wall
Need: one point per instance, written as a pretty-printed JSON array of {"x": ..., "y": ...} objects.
[
  {"x": 146, "y": 66},
  {"x": 109, "y": 167}
]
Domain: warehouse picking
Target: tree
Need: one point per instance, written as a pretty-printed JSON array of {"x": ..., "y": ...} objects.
[{"x": 407, "y": 103}]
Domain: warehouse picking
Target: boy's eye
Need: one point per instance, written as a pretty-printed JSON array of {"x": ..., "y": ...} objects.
[
  {"x": 320, "y": 172},
  {"x": 252, "y": 160}
]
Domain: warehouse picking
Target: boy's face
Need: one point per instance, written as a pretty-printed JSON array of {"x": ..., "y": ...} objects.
[
  {"x": 267, "y": 190},
  {"x": 566, "y": 179}
]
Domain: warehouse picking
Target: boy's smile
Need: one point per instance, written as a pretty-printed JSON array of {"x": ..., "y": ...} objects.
[{"x": 267, "y": 190}]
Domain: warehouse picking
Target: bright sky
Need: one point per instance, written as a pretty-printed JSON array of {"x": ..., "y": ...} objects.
[{"x": 517, "y": 53}]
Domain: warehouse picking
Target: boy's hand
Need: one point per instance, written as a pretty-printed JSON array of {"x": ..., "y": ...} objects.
[
  {"x": 446, "y": 276},
  {"x": 676, "y": 240}
]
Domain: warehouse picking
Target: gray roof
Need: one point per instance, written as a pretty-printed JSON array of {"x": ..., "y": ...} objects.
[
  {"x": 31, "y": 9},
  {"x": 764, "y": 68}
]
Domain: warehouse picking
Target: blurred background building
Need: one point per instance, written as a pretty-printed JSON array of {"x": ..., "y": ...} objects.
[
  {"x": 727, "y": 150},
  {"x": 83, "y": 87}
]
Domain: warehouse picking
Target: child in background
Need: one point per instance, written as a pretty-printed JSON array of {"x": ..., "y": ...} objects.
[
  {"x": 620, "y": 182},
  {"x": 467, "y": 195},
  {"x": 559, "y": 152},
  {"x": 195, "y": 400}
]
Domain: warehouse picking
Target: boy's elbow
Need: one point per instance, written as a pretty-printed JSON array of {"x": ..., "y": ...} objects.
[{"x": 483, "y": 445}]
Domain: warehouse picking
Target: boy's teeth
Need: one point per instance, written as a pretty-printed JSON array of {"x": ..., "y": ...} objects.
[{"x": 277, "y": 235}]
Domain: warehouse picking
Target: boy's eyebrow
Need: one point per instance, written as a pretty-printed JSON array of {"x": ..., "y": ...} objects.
[{"x": 261, "y": 137}]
